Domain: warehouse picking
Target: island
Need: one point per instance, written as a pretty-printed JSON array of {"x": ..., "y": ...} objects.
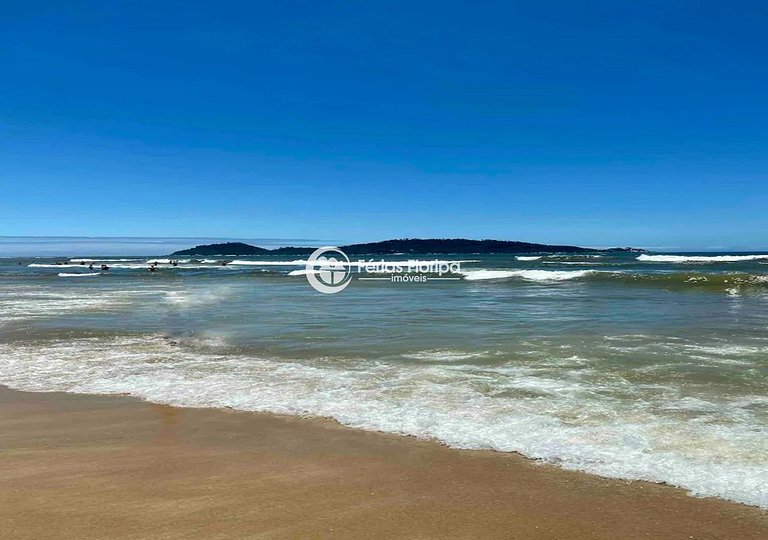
[
  {"x": 436, "y": 246},
  {"x": 222, "y": 250}
]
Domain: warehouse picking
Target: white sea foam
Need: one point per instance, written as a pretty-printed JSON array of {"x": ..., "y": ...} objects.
[
  {"x": 130, "y": 266},
  {"x": 442, "y": 355},
  {"x": 199, "y": 296},
  {"x": 578, "y": 255},
  {"x": 573, "y": 263},
  {"x": 101, "y": 260},
  {"x": 36, "y": 303},
  {"x": 47, "y": 265},
  {"x": 119, "y": 265},
  {"x": 88, "y": 274},
  {"x": 525, "y": 258},
  {"x": 699, "y": 258},
  {"x": 559, "y": 416},
  {"x": 302, "y": 272},
  {"x": 530, "y": 275},
  {"x": 296, "y": 262},
  {"x": 352, "y": 264}
]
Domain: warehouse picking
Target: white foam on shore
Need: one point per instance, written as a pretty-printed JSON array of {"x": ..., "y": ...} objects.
[
  {"x": 562, "y": 416},
  {"x": 699, "y": 258},
  {"x": 89, "y": 274},
  {"x": 442, "y": 355},
  {"x": 525, "y": 258}
]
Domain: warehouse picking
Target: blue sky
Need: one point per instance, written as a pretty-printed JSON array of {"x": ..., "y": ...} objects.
[
  {"x": 596, "y": 123},
  {"x": 65, "y": 246}
]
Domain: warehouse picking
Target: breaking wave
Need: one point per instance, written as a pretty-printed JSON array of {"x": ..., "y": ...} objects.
[
  {"x": 722, "y": 281},
  {"x": 699, "y": 258},
  {"x": 530, "y": 275},
  {"x": 559, "y": 416}
]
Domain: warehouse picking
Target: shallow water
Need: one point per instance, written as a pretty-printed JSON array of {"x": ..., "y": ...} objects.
[{"x": 647, "y": 367}]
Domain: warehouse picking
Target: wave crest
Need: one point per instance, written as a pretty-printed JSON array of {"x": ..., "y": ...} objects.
[
  {"x": 699, "y": 258},
  {"x": 531, "y": 275}
]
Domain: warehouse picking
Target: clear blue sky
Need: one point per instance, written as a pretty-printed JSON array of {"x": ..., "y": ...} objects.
[{"x": 595, "y": 123}]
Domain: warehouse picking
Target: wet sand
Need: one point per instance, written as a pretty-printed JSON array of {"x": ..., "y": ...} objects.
[{"x": 103, "y": 466}]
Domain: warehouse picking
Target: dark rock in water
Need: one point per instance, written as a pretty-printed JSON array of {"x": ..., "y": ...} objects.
[
  {"x": 441, "y": 246},
  {"x": 626, "y": 250}
]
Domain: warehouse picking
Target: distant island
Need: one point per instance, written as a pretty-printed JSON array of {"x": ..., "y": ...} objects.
[
  {"x": 227, "y": 248},
  {"x": 438, "y": 246}
]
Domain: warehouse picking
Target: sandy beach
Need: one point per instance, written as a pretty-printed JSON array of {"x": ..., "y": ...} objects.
[{"x": 75, "y": 466}]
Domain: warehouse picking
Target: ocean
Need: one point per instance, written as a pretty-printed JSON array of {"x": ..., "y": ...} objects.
[{"x": 626, "y": 365}]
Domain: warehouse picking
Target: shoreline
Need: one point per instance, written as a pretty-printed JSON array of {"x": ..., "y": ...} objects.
[{"x": 88, "y": 466}]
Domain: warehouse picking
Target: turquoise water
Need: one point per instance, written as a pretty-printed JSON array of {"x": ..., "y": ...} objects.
[{"x": 635, "y": 366}]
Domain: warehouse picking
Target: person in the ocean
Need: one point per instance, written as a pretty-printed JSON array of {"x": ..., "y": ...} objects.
[
  {"x": 104, "y": 267},
  {"x": 152, "y": 268},
  {"x": 90, "y": 266},
  {"x": 82, "y": 263}
]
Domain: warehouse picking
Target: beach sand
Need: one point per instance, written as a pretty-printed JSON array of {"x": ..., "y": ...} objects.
[{"x": 76, "y": 466}]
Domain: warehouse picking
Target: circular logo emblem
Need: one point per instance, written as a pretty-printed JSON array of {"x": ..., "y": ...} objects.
[{"x": 328, "y": 270}]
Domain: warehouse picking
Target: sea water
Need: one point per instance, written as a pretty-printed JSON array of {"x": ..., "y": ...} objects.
[{"x": 636, "y": 366}]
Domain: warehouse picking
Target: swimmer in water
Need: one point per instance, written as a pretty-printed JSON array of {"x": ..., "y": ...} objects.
[
  {"x": 104, "y": 267},
  {"x": 90, "y": 266}
]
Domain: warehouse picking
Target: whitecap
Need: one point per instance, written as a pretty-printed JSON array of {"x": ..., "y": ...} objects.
[
  {"x": 699, "y": 258},
  {"x": 531, "y": 275}
]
